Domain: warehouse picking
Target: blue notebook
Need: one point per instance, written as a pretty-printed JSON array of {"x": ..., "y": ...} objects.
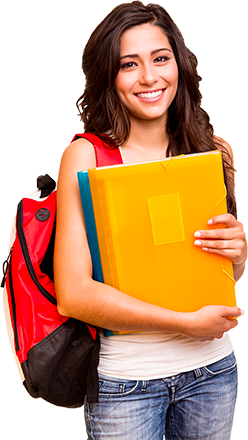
[{"x": 90, "y": 224}]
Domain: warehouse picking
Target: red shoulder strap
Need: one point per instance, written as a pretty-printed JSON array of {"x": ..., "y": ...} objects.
[{"x": 104, "y": 155}]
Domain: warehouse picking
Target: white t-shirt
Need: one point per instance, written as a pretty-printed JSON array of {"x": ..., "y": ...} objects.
[{"x": 147, "y": 356}]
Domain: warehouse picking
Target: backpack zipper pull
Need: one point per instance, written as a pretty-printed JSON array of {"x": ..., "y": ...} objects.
[{"x": 5, "y": 267}]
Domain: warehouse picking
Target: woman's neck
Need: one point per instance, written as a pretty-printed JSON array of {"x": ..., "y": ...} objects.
[{"x": 146, "y": 142}]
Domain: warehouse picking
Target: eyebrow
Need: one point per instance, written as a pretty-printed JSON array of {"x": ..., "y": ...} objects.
[{"x": 152, "y": 53}]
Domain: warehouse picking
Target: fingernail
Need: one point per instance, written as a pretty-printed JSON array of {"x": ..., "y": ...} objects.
[
  {"x": 198, "y": 234},
  {"x": 242, "y": 312},
  {"x": 198, "y": 243},
  {"x": 210, "y": 222}
]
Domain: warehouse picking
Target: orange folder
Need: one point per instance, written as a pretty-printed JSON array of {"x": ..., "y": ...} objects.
[{"x": 146, "y": 215}]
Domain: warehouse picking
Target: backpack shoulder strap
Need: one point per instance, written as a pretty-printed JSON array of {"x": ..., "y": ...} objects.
[{"x": 104, "y": 155}]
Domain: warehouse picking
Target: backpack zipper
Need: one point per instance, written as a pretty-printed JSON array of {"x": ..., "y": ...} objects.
[
  {"x": 22, "y": 239},
  {"x": 13, "y": 307},
  {"x": 5, "y": 267}
]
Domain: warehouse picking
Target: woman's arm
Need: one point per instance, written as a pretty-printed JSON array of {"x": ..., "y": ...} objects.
[{"x": 81, "y": 297}]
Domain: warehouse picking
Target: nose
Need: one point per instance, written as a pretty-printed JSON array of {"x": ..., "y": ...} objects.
[{"x": 149, "y": 75}]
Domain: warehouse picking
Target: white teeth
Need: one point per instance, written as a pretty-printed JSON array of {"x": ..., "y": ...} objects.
[{"x": 150, "y": 95}]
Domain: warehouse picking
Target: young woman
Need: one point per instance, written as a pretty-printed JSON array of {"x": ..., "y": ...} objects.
[{"x": 177, "y": 377}]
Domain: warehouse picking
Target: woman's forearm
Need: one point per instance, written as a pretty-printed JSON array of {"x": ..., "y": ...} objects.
[{"x": 103, "y": 306}]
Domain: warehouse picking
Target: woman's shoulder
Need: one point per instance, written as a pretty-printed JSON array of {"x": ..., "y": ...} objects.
[{"x": 80, "y": 151}]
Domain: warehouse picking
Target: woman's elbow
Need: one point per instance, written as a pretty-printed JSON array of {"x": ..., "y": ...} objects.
[
  {"x": 63, "y": 311},
  {"x": 64, "y": 301},
  {"x": 70, "y": 301}
]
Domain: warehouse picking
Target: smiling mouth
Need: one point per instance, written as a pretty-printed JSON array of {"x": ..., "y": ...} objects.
[{"x": 150, "y": 95}]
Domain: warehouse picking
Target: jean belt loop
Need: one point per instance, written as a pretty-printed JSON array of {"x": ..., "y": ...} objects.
[
  {"x": 198, "y": 373},
  {"x": 144, "y": 385}
]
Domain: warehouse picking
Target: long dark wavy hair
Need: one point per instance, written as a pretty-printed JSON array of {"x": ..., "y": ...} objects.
[{"x": 102, "y": 111}]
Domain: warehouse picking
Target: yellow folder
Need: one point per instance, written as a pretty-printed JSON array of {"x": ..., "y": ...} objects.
[{"x": 146, "y": 215}]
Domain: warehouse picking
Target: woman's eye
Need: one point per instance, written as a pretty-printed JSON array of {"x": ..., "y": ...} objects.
[
  {"x": 161, "y": 59},
  {"x": 128, "y": 65}
]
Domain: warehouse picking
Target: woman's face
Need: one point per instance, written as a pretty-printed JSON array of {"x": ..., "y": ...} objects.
[{"x": 148, "y": 77}]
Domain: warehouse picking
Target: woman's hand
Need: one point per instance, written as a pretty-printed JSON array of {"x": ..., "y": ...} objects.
[
  {"x": 211, "y": 322},
  {"x": 229, "y": 241}
]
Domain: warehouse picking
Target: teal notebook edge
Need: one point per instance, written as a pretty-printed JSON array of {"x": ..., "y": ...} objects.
[{"x": 90, "y": 224}]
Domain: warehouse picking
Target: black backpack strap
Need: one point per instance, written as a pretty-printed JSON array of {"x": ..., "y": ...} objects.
[{"x": 92, "y": 384}]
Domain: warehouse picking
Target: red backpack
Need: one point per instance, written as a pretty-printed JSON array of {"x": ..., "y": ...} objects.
[{"x": 57, "y": 356}]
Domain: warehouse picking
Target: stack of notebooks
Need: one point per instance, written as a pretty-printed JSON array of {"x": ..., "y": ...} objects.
[{"x": 140, "y": 221}]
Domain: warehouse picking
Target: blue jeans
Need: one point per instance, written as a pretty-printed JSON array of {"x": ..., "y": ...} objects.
[{"x": 195, "y": 405}]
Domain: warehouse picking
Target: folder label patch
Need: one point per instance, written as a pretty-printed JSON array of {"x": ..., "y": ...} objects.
[{"x": 166, "y": 219}]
